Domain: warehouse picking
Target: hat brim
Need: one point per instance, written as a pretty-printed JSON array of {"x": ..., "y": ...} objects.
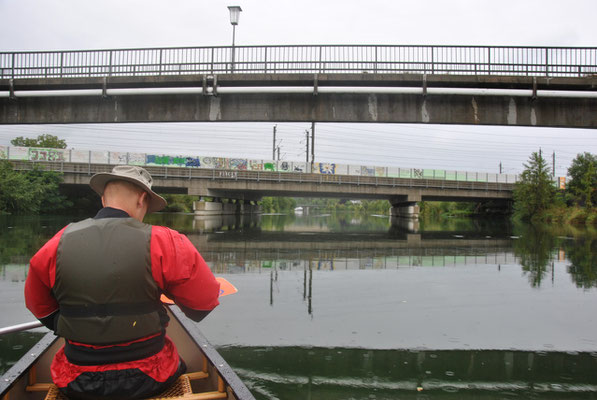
[{"x": 98, "y": 183}]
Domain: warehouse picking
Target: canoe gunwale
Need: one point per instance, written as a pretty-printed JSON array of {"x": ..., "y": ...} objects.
[
  {"x": 227, "y": 373},
  {"x": 11, "y": 376},
  {"x": 241, "y": 392}
]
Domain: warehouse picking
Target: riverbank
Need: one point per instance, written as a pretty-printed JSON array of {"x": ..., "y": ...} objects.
[{"x": 570, "y": 215}]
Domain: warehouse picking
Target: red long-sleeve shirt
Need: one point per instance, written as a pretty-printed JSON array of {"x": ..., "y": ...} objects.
[{"x": 177, "y": 268}]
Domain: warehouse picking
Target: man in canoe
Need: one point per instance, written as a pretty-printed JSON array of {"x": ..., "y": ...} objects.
[{"x": 98, "y": 282}]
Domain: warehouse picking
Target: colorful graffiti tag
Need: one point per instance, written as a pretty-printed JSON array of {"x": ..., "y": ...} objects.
[
  {"x": 238, "y": 163},
  {"x": 326, "y": 168},
  {"x": 179, "y": 161},
  {"x": 46, "y": 155},
  {"x": 366, "y": 171}
]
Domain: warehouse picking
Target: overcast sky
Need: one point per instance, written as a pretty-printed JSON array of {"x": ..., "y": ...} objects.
[{"x": 86, "y": 24}]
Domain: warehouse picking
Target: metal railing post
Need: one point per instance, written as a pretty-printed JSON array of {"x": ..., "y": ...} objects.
[
  {"x": 160, "y": 62},
  {"x": 320, "y": 57},
  {"x": 375, "y": 65},
  {"x": 432, "y": 60},
  {"x": 489, "y": 61},
  {"x": 212, "y": 59},
  {"x": 61, "y": 63}
]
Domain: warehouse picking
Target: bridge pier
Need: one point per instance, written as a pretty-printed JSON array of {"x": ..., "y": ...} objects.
[
  {"x": 217, "y": 207},
  {"x": 405, "y": 210},
  {"x": 247, "y": 207}
]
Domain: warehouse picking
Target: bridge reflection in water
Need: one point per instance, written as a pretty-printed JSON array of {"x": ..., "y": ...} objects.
[
  {"x": 231, "y": 245},
  {"x": 349, "y": 373}
]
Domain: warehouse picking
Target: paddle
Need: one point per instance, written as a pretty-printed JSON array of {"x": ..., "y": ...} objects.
[{"x": 226, "y": 288}]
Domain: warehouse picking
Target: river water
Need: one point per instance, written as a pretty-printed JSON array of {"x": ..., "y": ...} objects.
[{"x": 358, "y": 307}]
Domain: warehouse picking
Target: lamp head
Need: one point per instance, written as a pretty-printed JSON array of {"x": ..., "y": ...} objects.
[{"x": 234, "y": 14}]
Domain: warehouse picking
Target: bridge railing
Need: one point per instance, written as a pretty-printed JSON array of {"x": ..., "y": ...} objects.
[
  {"x": 229, "y": 168},
  {"x": 272, "y": 177},
  {"x": 373, "y": 59}
]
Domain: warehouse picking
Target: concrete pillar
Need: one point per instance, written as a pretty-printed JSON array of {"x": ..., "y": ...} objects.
[
  {"x": 207, "y": 222},
  {"x": 241, "y": 207},
  {"x": 255, "y": 208},
  {"x": 413, "y": 239},
  {"x": 249, "y": 207},
  {"x": 405, "y": 210},
  {"x": 207, "y": 207},
  {"x": 229, "y": 208}
]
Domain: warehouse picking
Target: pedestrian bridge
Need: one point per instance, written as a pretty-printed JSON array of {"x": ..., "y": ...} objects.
[{"x": 524, "y": 86}]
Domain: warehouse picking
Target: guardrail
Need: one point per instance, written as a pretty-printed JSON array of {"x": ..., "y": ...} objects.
[
  {"x": 375, "y": 59},
  {"x": 266, "y": 176},
  {"x": 228, "y": 167}
]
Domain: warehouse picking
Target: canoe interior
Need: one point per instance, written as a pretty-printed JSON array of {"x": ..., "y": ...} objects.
[{"x": 33, "y": 370}]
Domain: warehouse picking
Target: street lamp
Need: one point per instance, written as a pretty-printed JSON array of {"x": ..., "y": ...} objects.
[{"x": 234, "y": 15}]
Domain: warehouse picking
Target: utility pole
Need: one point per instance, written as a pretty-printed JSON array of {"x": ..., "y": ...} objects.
[
  {"x": 278, "y": 153},
  {"x": 312, "y": 144},
  {"x": 553, "y": 171},
  {"x": 307, "y": 151},
  {"x": 500, "y": 167},
  {"x": 274, "y": 146}
]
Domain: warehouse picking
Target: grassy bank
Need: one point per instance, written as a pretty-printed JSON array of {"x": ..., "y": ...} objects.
[{"x": 570, "y": 215}]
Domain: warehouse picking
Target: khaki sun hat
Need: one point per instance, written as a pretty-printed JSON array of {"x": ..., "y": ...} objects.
[{"x": 133, "y": 174}]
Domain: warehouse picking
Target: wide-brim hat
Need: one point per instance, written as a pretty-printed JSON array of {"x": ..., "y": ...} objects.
[{"x": 133, "y": 174}]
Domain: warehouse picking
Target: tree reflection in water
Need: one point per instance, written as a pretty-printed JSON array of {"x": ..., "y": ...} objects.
[
  {"x": 538, "y": 245},
  {"x": 535, "y": 248},
  {"x": 582, "y": 254}
]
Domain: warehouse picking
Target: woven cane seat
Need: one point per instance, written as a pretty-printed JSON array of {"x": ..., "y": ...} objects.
[{"x": 178, "y": 389}]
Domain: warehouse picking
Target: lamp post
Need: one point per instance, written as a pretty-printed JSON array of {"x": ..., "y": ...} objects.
[{"x": 234, "y": 15}]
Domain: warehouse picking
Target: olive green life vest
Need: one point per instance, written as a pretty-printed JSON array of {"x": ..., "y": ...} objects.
[{"x": 104, "y": 286}]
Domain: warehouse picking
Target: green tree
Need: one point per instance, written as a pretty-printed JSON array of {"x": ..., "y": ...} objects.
[
  {"x": 45, "y": 185},
  {"x": 583, "y": 179},
  {"x": 45, "y": 140},
  {"x": 535, "y": 191},
  {"x": 30, "y": 192},
  {"x": 16, "y": 194}
]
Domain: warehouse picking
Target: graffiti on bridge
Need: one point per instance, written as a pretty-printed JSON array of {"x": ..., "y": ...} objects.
[
  {"x": 152, "y": 159},
  {"x": 46, "y": 155}
]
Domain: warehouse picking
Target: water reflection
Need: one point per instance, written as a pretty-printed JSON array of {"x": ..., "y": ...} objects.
[
  {"x": 235, "y": 243},
  {"x": 14, "y": 345},
  {"x": 582, "y": 254},
  {"x": 536, "y": 249},
  {"x": 340, "y": 296},
  {"x": 22, "y": 236},
  {"x": 342, "y": 373}
]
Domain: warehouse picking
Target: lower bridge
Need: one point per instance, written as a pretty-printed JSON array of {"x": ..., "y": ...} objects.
[{"x": 245, "y": 187}]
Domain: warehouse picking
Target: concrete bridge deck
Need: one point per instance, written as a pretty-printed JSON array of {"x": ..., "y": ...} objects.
[{"x": 318, "y": 97}]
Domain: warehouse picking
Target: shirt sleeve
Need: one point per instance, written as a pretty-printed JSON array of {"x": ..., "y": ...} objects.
[
  {"x": 181, "y": 272},
  {"x": 40, "y": 279}
]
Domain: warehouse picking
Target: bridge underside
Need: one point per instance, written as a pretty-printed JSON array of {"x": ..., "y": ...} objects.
[{"x": 344, "y": 105}]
